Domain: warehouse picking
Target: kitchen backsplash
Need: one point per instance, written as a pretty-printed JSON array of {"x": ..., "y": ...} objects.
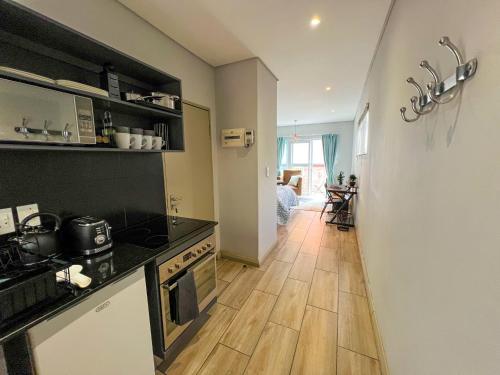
[{"x": 123, "y": 188}]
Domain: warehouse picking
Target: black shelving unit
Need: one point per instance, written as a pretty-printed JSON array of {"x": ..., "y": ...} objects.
[{"x": 32, "y": 42}]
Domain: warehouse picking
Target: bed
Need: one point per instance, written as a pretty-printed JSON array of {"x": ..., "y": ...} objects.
[{"x": 286, "y": 199}]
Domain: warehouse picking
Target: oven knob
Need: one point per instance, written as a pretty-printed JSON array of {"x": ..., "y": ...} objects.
[
  {"x": 204, "y": 247},
  {"x": 177, "y": 265},
  {"x": 193, "y": 254},
  {"x": 199, "y": 251},
  {"x": 209, "y": 245},
  {"x": 170, "y": 269}
]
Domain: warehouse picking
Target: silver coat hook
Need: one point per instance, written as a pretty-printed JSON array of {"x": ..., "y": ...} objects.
[
  {"x": 418, "y": 103},
  {"x": 445, "y": 42},
  {"x": 435, "y": 89},
  {"x": 403, "y": 115}
]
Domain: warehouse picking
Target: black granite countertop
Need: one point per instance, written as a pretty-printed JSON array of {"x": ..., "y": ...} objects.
[{"x": 105, "y": 268}]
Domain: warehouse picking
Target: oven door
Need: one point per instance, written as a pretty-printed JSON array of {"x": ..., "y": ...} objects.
[{"x": 205, "y": 280}]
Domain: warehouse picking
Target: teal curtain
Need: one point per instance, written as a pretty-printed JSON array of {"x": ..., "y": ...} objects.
[
  {"x": 329, "y": 150},
  {"x": 281, "y": 151}
]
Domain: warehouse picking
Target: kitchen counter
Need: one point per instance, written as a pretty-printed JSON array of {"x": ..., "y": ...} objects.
[{"x": 105, "y": 268}]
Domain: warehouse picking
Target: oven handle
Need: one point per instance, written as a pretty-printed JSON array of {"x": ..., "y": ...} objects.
[{"x": 210, "y": 256}]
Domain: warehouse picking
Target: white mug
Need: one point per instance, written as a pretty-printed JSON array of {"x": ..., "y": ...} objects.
[
  {"x": 136, "y": 141},
  {"x": 122, "y": 140},
  {"x": 148, "y": 142},
  {"x": 158, "y": 143}
]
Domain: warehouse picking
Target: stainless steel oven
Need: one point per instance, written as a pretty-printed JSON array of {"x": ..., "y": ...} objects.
[{"x": 200, "y": 259}]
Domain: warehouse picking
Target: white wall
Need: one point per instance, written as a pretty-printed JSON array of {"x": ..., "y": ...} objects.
[
  {"x": 267, "y": 155},
  {"x": 428, "y": 214},
  {"x": 246, "y": 98},
  {"x": 113, "y": 24},
  {"x": 344, "y": 130},
  {"x": 236, "y": 93}
]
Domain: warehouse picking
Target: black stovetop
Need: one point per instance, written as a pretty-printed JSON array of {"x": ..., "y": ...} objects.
[{"x": 159, "y": 232}]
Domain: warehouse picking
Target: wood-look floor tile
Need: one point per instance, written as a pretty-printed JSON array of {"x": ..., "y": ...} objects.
[
  {"x": 225, "y": 361},
  {"x": 310, "y": 247},
  {"x": 298, "y": 235},
  {"x": 289, "y": 308},
  {"x": 244, "y": 332},
  {"x": 240, "y": 288},
  {"x": 349, "y": 236},
  {"x": 191, "y": 359},
  {"x": 221, "y": 285},
  {"x": 356, "y": 334},
  {"x": 228, "y": 270},
  {"x": 353, "y": 304},
  {"x": 288, "y": 252},
  {"x": 274, "y": 277},
  {"x": 274, "y": 352},
  {"x": 328, "y": 259},
  {"x": 324, "y": 290},
  {"x": 351, "y": 278},
  {"x": 349, "y": 252},
  {"x": 303, "y": 268},
  {"x": 317, "y": 345},
  {"x": 330, "y": 240},
  {"x": 351, "y": 363}
]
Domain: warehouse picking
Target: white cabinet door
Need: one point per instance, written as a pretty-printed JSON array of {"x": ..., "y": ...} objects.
[{"x": 106, "y": 334}]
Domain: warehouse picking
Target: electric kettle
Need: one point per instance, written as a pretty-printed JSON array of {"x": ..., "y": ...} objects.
[{"x": 38, "y": 243}]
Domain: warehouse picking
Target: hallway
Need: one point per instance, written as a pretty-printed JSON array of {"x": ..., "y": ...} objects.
[{"x": 304, "y": 311}]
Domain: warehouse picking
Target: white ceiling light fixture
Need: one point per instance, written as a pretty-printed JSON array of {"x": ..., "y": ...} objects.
[
  {"x": 328, "y": 88},
  {"x": 315, "y": 21},
  {"x": 332, "y": 111}
]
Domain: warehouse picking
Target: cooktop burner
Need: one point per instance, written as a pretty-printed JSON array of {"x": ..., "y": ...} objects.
[{"x": 159, "y": 232}]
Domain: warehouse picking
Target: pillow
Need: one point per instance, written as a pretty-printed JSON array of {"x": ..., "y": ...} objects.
[{"x": 294, "y": 180}]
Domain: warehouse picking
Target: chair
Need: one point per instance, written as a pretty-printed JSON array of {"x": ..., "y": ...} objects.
[
  {"x": 287, "y": 174},
  {"x": 330, "y": 199}
]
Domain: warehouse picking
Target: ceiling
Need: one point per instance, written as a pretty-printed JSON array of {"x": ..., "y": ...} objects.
[{"x": 336, "y": 54}]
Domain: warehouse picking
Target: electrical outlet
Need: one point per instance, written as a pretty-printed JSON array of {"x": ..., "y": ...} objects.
[
  {"x": 6, "y": 221},
  {"x": 24, "y": 211}
]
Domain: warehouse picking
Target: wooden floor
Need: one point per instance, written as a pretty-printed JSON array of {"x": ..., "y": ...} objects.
[{"x": 304, "y": 311}]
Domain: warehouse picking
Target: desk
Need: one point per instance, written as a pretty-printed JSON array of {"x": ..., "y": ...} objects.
[{"x": 342, "y": 216}]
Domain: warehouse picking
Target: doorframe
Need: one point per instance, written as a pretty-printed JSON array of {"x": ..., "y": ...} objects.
[{"x": 214, "y": 150}]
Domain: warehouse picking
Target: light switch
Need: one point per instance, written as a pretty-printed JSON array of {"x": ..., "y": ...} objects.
[
  {"x": 6, "y": 221},
  {"x": 267, "y": 171},
  {"x": 24, "y": 211}
]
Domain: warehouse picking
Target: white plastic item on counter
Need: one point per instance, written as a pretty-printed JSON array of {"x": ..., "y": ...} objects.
[{"x": 76, "y": 278}]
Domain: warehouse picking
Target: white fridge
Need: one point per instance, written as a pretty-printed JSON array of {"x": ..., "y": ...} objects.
[{"x": 106, "y": 334}]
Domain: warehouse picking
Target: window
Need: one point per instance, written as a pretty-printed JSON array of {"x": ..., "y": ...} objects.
[
  {"x": 317, "y": 158},
  {"x": 284, "y": 158},
  {"x": 300, "y": 153},
  {"x": 364, "y": 124},
  {"x": 306, "y": 154}
]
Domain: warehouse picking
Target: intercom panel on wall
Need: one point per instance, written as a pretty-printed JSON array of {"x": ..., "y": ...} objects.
[{"x": 238, "y": 137}]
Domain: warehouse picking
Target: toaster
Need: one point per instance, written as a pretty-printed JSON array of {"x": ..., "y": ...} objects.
[{"x": 87, "y": 235}]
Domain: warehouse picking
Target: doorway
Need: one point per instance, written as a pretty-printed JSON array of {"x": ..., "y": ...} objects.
[
  {"x": 306, "y": 154},
  {"x": 188, "y": 175}
]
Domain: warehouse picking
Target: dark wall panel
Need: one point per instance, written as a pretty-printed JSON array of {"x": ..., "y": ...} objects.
[{"x": 124, "y": 188}]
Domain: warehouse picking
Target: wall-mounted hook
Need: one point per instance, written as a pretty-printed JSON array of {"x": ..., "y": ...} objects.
[
  {"x": 436, "y": 89},
  {"x": 403, "y": 115},
  {"x": 440, "y": 91},
  {"x": 418, "y": 103}
]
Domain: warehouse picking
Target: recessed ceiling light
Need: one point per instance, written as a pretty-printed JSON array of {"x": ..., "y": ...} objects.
[
  {"x": 333, "y": 110},
  {"x": 315, "y": 21},
  {"x": 328, "y": 88}
]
